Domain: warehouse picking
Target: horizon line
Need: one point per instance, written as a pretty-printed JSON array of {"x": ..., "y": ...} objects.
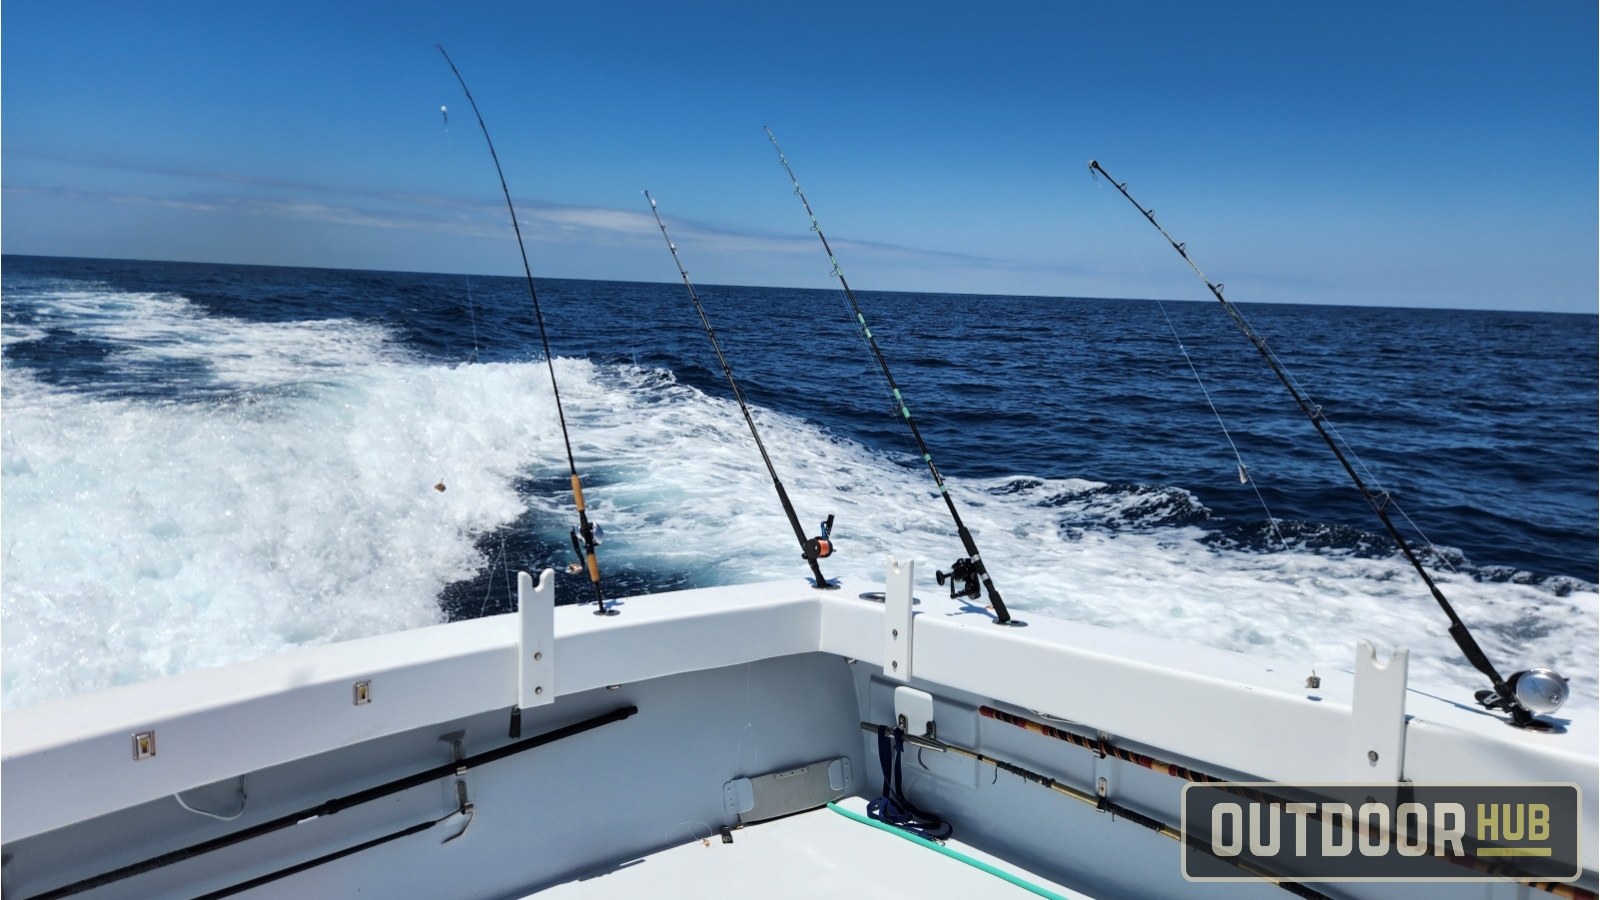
[{"x": 190, "y": 262}]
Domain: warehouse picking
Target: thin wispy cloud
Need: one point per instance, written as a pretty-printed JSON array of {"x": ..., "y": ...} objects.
[{"x": 542, "y": 221}]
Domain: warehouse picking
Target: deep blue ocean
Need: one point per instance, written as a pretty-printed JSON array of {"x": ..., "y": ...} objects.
[{"x": 205, "y": 462}]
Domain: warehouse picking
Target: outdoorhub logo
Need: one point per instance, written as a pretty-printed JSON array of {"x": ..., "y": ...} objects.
[{"x": 1381, "y": 832}]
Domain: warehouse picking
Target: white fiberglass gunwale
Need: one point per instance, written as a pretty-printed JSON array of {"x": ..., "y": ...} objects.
[{"x": 68, "y": 760}]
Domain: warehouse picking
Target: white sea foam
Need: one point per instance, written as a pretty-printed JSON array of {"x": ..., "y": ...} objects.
[{"x": 294, "y": 505}]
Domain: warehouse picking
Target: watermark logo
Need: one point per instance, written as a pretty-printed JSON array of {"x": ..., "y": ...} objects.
[{"x": 1381, "y": 832}]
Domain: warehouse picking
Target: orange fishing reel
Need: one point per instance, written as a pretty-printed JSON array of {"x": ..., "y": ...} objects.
[{"x": 820, "y": 547}]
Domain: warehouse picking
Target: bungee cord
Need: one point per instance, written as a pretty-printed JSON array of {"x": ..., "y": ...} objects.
[
  {"x": 967, "y": 573},
  {"x": 1505, "y": 696},
  {"x": 586, "y": 532},
  {"x": 811, "y": 549}
]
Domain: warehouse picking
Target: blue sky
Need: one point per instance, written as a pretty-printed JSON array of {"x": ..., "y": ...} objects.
[{"x": 1395, "y": 154}]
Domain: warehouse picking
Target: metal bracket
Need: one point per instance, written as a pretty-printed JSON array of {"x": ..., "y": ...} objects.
[
  {"x": 464, "y": 807},
  {"x": 756, "y": 799},
  {"x": 897, "y": 610}
]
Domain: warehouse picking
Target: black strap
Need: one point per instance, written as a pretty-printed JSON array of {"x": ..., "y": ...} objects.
[{"x": 893, "y": 808}]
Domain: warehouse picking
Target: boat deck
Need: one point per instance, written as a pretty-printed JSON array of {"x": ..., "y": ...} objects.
[{"x": 822, "y": 853}]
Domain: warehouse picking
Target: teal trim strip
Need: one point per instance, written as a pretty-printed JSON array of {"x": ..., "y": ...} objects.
[{"x": 953, "y": 854}]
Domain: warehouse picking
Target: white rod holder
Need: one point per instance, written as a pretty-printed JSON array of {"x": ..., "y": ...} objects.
[
  {"x": 536, "y": 657},
  {"x": 1378, "y": 716},
  {"x": 897, "y": 631}
]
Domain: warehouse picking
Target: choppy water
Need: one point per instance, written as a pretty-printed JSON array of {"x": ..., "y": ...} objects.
[{"x": 201, "y": 464}]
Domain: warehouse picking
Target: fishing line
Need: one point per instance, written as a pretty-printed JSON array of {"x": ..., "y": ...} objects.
[
  {"x": 967, "y": 573},
  {"x": 489, "y": 587},
  {"x": 1437, "y": 553},
  {"x": 473, "y": 313},
  {"x": 1244, "y": 476},
  {"x": 1506, "y": 696},
  {"x": 1367, "y": 471},
  {"x": 811, "y": 549},
  {"x": 586, "y": 530}
]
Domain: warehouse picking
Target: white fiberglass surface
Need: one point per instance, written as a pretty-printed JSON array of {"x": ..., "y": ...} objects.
[
  {"x": 296, "y": 506},
  {"x": 820, "y": 853}
]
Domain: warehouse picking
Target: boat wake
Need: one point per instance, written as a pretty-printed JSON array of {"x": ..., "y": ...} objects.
[{"x": 188, "y": 490}]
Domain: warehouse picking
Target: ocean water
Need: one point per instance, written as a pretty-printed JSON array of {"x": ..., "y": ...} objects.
[{"x": 201, "y": 464}]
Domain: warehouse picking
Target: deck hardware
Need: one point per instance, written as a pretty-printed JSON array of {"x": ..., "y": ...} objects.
[
  {"x": 458, "y": 751},
  {"x": 1082, "y": 796},
  {"x": 898, "y": 633},
  {"x": 1314, "y": 681},
  {"x": 878, "y": 597},
  {"x": 144, "y": 745},
  {"x": 913, "y": 710},
  {"x": 331, "y": 807},
  {"x": 613, "y": 687},
  {"x": 361, "y": 692},
  {"x": 761, "y": 797},
  {"x": 912, "y": 739},
  {"x": 1100, "y": 787},
  {"x": 464, "y": 807},
  {"x": 1378, "y": 716},
  {"x": 536, "y": 618},
  {"x": 727, "y": 835}
]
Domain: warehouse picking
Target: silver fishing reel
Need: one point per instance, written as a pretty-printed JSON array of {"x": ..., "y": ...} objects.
[
  {"x": 1541, "y": 691},
  {"x": 1534, "y": 692}
]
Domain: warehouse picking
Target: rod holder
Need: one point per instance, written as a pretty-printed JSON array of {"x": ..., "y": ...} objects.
[
  {"x": 536, "y": 645},
  {"x": 897, "y": 620}
]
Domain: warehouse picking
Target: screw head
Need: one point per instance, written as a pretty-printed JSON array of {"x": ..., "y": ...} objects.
[
  {"x": 894, "y": 632},
  {"x": 538, "y": 656},
  {"x": 1372, "y": 756},
  {"x": 538, "y": 690}
]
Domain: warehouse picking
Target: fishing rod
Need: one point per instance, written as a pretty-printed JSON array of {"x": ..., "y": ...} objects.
[
  {"x": 587, "y": 532},
  {"x": 966, "y": 573},
  {"x": 811, "y": 549},
  {"x": 1534, "y": 691}
]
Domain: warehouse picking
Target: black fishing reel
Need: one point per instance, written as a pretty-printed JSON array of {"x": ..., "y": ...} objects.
[
  {"x": 964, "y": 577},
  {"x": 821, "y": 546},
  {"x": 588, "y": 535}
]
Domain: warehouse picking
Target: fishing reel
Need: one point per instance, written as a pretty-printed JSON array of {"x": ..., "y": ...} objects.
[
  {"x": 1533, "y": 692},
  {"x": 964, "y": 577},
  {"x": 821, "y": 546},
  {"x": 587, "y": 535}
]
